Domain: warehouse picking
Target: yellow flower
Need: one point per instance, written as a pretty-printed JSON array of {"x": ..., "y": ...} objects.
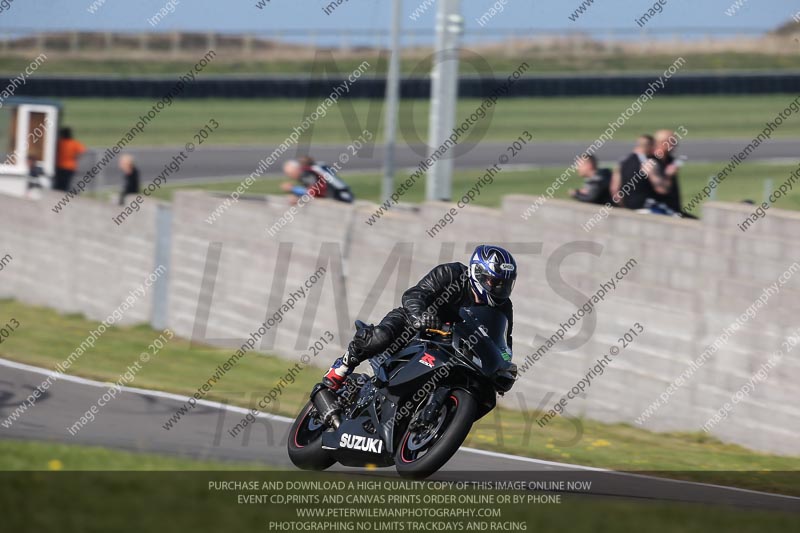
[
  {"x": 548, "y": 445},
  {"x": 601, "y": 442},
  {"x": 564, "y": 455},
  {"x": 55, "y": 464}
]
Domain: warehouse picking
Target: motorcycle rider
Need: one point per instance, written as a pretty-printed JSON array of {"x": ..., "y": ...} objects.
[
  {"x": 316, "y": 179},
  {"x": 436, "y": 299}
]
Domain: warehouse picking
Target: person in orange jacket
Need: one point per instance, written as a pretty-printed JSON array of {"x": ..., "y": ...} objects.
[{"x": 68, "y": 152}]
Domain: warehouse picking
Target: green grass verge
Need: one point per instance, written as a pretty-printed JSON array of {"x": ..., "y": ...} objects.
[
  {"x": 31, "y": 455},
  {"x": 562, "y": 63},
  {"x": 135, "y": 502},
  {"x": 46, "y": 337},
  {"x": 101, "y": 122},
  {"x": 748, "y": 182}
]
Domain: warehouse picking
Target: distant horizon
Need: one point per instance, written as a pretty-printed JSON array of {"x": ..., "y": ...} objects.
[
  {"x": 515, "y": 18},
  {"x": 376, "y": 37}
]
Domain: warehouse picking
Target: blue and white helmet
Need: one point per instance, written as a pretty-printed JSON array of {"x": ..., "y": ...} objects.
[{"x": 492, "y": 273}]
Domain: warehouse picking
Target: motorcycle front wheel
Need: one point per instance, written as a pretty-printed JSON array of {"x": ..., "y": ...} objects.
[{"x": 423, "y": 452}]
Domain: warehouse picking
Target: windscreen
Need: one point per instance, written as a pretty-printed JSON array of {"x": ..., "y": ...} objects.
[{"x": 482, "y": 334}]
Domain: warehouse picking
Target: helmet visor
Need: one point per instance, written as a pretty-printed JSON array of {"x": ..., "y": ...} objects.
[{"x": 498, "y": 288}]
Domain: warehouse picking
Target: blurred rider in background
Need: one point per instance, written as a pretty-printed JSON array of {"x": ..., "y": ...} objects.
[{"x": 317, "y": 180}]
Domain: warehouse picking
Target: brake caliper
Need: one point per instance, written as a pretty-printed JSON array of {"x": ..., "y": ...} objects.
[{"x": 430, "y": 414}]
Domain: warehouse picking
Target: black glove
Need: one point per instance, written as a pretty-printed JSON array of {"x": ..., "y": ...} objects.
[{"x": 427, "y": 320}]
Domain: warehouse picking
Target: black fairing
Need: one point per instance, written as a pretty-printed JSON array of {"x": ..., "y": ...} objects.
[{"x": 412, "y": 367}]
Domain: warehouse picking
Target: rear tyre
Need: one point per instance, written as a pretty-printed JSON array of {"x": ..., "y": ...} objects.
[
  {"x": 420, "y": 454},
  {"x": 305, "y": 442}
]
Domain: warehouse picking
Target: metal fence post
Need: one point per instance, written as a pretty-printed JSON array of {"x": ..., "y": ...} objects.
[
  {"x": 159, "y": 314},
  {"x": 767, "y": 189}
]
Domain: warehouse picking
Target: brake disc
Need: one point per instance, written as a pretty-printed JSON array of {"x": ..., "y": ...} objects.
[{"x": 417, "y": 441}]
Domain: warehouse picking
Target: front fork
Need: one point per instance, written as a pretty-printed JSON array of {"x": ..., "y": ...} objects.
[{"x": 430, "y": 414}]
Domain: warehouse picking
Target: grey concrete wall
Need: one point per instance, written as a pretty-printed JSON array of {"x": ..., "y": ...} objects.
[
  {"x": 77, "y": 260},
  {"x": 692, "y": 279}
]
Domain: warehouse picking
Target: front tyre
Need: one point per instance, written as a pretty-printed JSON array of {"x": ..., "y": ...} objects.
[
  {"x": 305, "y": 442},
  {"x": 423, "y": 452}
]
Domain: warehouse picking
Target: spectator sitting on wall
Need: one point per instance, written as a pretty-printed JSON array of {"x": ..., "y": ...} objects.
[
  {"x": 318, "y": 180},
  {"x": 669, "y": 165},
  {"x": 130, "y": 177},
  {"x": 293, "y": 170},
  {"x": 597, "y": 182},
  {"x": 651, "y": 171},
  {"x": 68, "y": 152},
  {"x": 629, "y": 184}
]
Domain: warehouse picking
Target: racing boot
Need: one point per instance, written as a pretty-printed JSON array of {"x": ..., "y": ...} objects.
[{"x": 340, "y": 369}]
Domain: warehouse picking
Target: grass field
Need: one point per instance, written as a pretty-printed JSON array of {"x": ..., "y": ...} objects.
[
  {"x": 746, "y": 183},
  {"x": 101, "y": 122},
  {"x": 46, "y": 337},
  {"x": 30, "y": 455},
  {"x": 499, "y": 65}
]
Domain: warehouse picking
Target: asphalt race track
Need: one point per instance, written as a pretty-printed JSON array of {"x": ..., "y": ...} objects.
[
  {"x": 133, "y": 421},
  {"x": 214, "y": 162}
]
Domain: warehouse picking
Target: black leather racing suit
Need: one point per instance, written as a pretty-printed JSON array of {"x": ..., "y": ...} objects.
[{"x": 443, "y": 291}]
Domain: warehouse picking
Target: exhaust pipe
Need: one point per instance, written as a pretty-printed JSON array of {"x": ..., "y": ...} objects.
[{"x": 327, "y": 405}]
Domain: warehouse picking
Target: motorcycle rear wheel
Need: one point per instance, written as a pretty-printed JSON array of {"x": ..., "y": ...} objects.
[{"x": 305, "y": 442}]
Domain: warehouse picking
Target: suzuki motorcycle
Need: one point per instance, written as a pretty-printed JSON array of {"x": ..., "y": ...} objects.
[{"x": 419, "y": 405}]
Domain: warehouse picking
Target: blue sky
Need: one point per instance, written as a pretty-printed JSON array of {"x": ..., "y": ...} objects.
[{"x": 242, "y": 15}]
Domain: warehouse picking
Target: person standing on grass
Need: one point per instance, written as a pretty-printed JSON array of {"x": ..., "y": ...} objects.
[
  {"x": 35, "y": 176},
  {"x": 130, "y": 177},
  {"x": 68, "y": 152}
]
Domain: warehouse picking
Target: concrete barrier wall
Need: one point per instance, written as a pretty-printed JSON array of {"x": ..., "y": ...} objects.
[
  {"x": 77, "y": 260},
  {"x": 691, "y": 280}
]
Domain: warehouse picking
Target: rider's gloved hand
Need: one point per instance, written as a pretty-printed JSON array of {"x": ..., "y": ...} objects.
[{"x": 427, "y": 320}]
